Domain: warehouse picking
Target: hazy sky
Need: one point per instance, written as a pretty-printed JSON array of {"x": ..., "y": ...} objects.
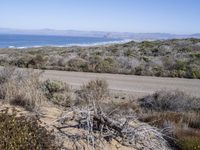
[{"x": 173, "y": 16}]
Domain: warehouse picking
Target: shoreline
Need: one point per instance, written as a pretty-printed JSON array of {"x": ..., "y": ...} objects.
[{"x": 72, "y": 44}]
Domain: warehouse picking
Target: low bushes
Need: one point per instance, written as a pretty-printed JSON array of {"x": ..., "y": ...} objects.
[
  {"x": 77, "y": 64},
  {"x": 20, "y": 133},
  {"x": 107, "y": 65},
  {"x": 170, "y": 101},
  {"x": 174, "y": 112},
  {"x": 58, "y": 92},
  {"x": 195, "y": 71},
  {"x": 174, "y": 58},
  {"x": 55, "y": 86},
  {"x": 37, "y": 61}
]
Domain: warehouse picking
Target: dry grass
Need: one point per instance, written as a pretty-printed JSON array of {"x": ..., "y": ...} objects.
[
  {"x": 178, "y": 113},
  {"x": 170, "y": 101},
  {"x": 94, "y": 90},
  {"x": 22, "y": 89},
  {"x": 188, "y": 139}
]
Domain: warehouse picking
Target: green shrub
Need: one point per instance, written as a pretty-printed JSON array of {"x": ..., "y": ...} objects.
[
  {"x": 128, "y": 53},
  {"x": 194, "y": 40},
  {"x": 195, "y": 55},
  {"x": 146, "y": 44},
  {"x": 158, "y": 71},
  {"x": 20, "y": 133},
  {"x": 145, "y": 58},
  {"x": 177, "y": 55},
  {"x": 188, "y": 140},
  {"x": 181, "y": 73},
  {"x": 108, "y": 65},
  {"x": 58, "y": 92},
  {"x": 168, "y": 62},
  {"x": 181, "y": 65},
  {"x": 114, "y": 50},
  {"x": 185, "y": 49},
  {"x": 37, "y": 61},
  {"x": 20, "y": 63},
  {"x": 4, "y": 62},
  {"x": 196, "y": 74},
  {"x": 139, "y": 70},
  {"x": 64, "y": 99},
  {"x": 53, "y": 86},
  {"x": 78, "y": 64}
]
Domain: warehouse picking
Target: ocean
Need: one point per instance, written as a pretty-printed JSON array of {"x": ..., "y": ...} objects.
[{"x": 25, "y": 41}]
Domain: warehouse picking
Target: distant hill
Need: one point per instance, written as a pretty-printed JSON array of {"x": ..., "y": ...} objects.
[{"x": 121, "y": 35}]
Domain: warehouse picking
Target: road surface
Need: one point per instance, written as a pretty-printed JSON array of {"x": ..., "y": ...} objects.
[{"x": 136, "y": 85}]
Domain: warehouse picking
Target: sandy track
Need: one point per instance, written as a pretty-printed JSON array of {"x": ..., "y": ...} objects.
[{"x": 137, "y": 85}]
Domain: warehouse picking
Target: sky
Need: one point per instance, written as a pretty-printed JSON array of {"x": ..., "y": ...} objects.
[{"x": 139, "y": 16}]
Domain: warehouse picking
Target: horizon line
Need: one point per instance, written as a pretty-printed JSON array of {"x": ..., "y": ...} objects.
[{"x": 53, "y": 29}]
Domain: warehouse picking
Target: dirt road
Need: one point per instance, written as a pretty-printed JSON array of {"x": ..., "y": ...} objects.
[{"x": 137, "y": 85}]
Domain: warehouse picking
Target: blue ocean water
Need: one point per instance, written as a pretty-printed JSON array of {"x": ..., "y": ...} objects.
[{"x": 22, "y": 41}]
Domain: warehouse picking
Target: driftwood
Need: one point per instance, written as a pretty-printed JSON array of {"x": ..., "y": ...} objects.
[{"x": 95, "y": 128}]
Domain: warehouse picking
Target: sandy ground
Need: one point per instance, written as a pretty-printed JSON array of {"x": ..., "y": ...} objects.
[
  {"x": 50, "y": 114},
  {"x": 136, "y": 85}
]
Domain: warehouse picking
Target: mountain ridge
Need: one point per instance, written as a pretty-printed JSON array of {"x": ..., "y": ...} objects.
[{"x": 79, "y": 33}]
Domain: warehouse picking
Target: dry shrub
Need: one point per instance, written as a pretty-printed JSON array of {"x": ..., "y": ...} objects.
[
  {"x": 65, "y": 99},
  {"x": 170, "y": 101},
  {"x": 181, "y": 129},
  {"x": 163, "y": 120},
  {"x": 177, "y": 112},
  {"x": 6, "y": 74},
  {"x": 193, "y": 120},
  {"x": 97, "y": 122},
  {"x": 23, "y": 89},
  {"x": 94, "y": 90},
  {"x": 121, "y": 109},
  {"x": 94, "y": 128},
  {"x": 177, "y": 127}
]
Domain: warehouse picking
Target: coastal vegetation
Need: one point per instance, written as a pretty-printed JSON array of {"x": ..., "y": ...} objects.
[
  {"x": 92, "y": 116},
  {"x": 168, "y": 58}
]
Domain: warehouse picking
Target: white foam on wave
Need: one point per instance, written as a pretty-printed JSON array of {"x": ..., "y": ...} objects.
[
  {"x": 14, "y": 47},
  {"x": 100, "y": 43},
  {"x": 76, "y": 44},
  {"x": 11, "y": 47},
  {"x": 93, "y": 44}
]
